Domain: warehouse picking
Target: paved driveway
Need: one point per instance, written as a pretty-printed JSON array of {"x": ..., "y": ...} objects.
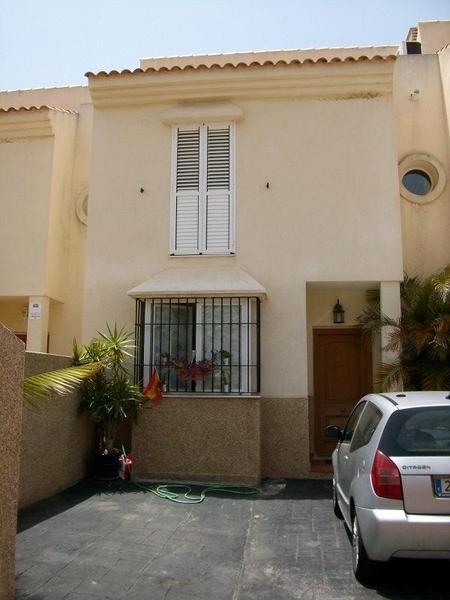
[{"x": 114, "y": 542}]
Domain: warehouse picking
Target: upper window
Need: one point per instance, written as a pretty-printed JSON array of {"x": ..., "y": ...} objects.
[{"x": 202, "y": 210}]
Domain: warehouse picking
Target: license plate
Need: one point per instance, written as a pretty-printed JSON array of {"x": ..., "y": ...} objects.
[{"x": 442, "y": 486}]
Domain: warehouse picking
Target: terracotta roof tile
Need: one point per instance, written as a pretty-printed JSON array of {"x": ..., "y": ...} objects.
[
  {"x": 12, "y": 109},
  {"x": 240, "y": 64}
]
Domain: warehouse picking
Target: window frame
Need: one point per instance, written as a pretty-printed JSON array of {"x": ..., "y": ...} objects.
[
  {"x": 244, "y": 376},
  {"x": 202, "y": 192},
  {"x": 357, "y": 443},
  {"x": 360, "y": 409}
]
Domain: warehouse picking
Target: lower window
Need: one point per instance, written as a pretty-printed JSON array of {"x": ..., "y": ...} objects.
[{"x": 200, "y": 345}]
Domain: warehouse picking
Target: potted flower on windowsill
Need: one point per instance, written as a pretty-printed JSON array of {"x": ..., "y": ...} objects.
[
  {"x": 192, "y": 370},
  {"x": 226, "y": 381},
  {"x": 225, "y": 357}
]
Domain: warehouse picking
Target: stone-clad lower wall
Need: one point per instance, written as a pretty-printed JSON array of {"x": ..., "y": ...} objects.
[
  {"x": 222, "y": 439},
  {"x": 57, "y": 442},
  {"x": 12, "y": 353},
  {"x": 199, "y": 439},
  {"x": 284, "y": 438}
]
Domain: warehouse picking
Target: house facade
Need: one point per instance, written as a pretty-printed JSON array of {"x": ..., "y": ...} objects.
[{"x": 221, "y": 207}]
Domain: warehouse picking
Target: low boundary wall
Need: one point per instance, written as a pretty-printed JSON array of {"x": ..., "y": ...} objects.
[
  {"x": 12, "y": 355},
  {"x": 57, "y": 442}
]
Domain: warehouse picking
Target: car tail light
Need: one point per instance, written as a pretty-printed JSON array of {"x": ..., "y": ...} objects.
[{"x": 386, "y": 478}]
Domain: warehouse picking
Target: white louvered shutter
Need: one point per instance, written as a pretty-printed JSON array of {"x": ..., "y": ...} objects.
[
  {"x": 187, "y": 192},
  {"x": 218, "y": 193},
  {"x": 202, "y": 190}
]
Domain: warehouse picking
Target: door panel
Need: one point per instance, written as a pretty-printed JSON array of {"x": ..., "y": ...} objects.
[{"x": 342, "y": 375}]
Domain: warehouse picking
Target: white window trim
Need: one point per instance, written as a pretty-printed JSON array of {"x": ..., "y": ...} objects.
[{"x": 202, "y": 191}]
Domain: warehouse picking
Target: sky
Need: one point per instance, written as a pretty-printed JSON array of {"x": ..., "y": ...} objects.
[{"x": 46, "y": 43}]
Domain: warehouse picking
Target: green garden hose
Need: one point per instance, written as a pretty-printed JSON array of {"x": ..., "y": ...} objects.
[{"x": 164, "y": 490}]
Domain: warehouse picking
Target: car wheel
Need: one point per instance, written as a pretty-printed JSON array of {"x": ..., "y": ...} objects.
[
  {"x": 363, "y": 567},
  {"x": 336, "y": 509}
]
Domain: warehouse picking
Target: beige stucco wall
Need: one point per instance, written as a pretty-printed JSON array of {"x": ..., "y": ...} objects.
[
  {"x": 326, "y": 216},
  {"x": 444, "y": 65},
  {"x": 199, "y": 439},
  {"x": 71, "y": 237},
  {"x": 12, "y": 354},
  {"x": 42, "y": 240},
  {"x": 421, "y": 125},
  {"x": 25, "y": 182},
  {"x": 433, "y": 35},
  {"x": 11, "y": 314},
  {"x": 57, "y": 442}
]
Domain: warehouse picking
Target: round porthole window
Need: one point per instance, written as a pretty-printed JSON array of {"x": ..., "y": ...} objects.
[
  {"x": 422, "y": 178},
  {"x": 417, "y": 182}
]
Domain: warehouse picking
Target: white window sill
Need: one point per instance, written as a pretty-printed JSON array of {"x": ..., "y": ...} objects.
[
  {"x": 208, "y": 395},
  {"x": 231, "y": 254}
]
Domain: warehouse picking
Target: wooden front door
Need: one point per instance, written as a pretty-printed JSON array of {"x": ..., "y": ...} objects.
[{"x": 342, "y": 375}]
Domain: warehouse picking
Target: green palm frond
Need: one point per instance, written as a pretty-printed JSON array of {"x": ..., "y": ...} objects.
[
  {"x": 441, "y": 284},
  {"x": 441, "y": 328},
  {"x": 59, "y": 382},
  {"x": 390, "y": 376},
  {"x": 421, "y": 337},
  {"x": 77, "y": 352},
  {"x": 119, "y": 341},
  {"x": 437, "y": 377},
  {"x": 394, "y": 340}
]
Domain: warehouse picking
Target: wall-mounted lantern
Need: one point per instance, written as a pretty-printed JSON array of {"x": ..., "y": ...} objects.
[{"x": 338, "y": 313}]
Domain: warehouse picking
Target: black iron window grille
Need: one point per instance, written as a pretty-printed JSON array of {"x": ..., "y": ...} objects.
[{"x": 200, "y": 345}]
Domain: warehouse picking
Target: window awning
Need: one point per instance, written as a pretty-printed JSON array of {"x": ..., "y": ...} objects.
[{"x": 202, "y": 281}]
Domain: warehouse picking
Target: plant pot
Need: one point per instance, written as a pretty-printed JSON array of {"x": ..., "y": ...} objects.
[
  {"x": 226, "y": 388},
  {"x": 106, "y": 466}
]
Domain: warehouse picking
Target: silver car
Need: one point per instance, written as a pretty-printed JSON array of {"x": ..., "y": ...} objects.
[{"x": 391, "y": 477}]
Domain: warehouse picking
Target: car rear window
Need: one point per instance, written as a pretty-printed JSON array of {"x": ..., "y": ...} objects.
[{"x": 417, "y": 432}]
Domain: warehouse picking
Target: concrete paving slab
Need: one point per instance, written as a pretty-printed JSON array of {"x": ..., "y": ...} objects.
[{"x": 117, "y": 542}]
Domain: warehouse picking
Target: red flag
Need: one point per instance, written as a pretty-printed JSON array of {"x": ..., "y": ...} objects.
[{"x": 153, "y": 390}]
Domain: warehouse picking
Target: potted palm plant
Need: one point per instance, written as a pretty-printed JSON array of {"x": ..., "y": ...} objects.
[
  {"x": 109, "y": 396},
  {"x": 107, "y": 393}
]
